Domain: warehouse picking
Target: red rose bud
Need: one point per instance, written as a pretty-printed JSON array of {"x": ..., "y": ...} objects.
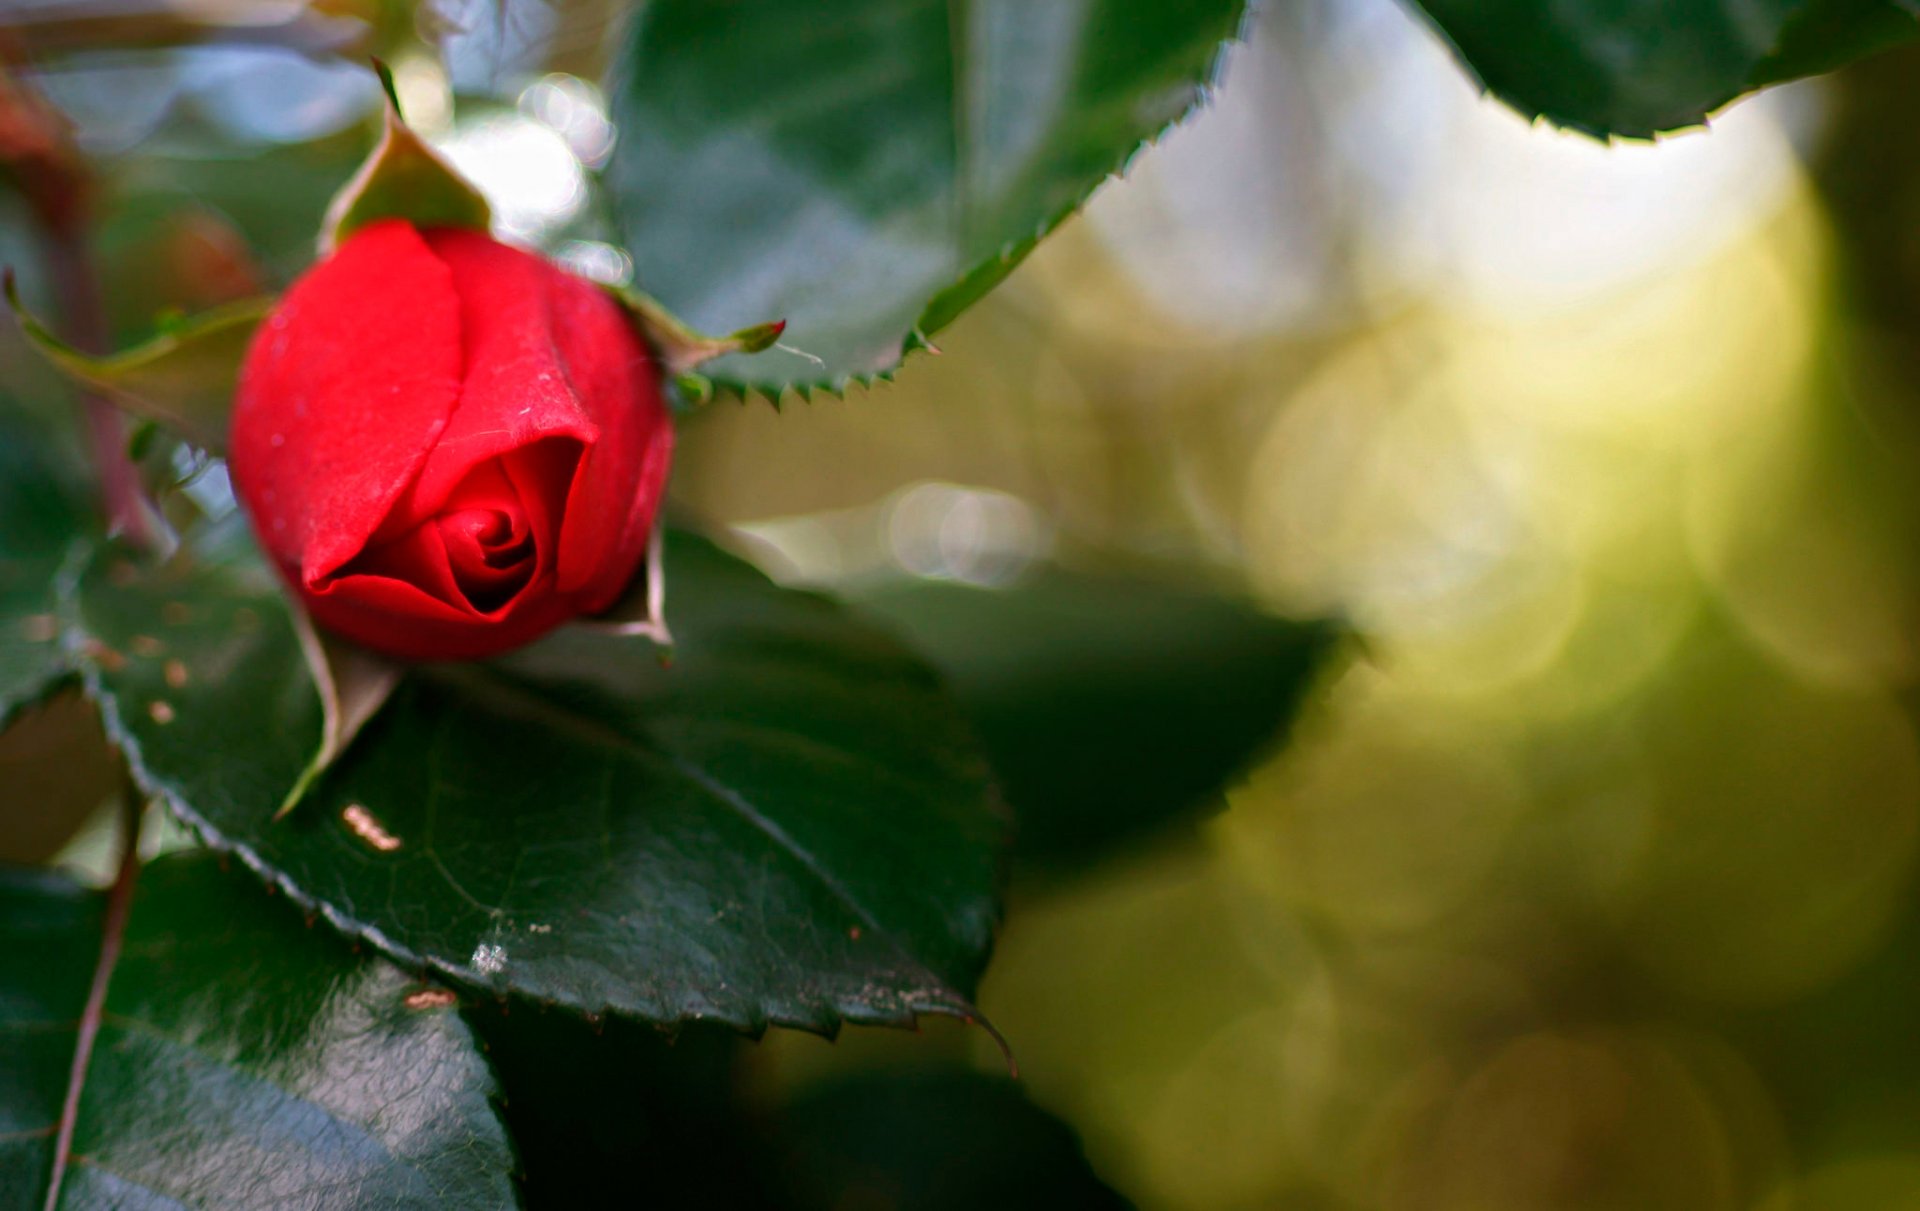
[{"x": 449, "y": 446}]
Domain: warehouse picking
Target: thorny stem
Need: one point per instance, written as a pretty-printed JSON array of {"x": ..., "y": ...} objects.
[{"x": 112, "y": 931}]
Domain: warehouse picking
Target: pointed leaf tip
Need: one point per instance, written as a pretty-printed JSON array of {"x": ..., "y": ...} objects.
[
  {"x": 402, "y": 178},
  {"x": 679, "y": 346},
  {"x": 642, "y": 613},
  {"x": 385, "y": 73},
  {"x": 353, "y": 685},
  {"x": 758, "y": 337}
]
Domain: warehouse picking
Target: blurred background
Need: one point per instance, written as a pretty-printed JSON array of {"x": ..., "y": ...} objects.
[{"x": 1588, "y": 879}]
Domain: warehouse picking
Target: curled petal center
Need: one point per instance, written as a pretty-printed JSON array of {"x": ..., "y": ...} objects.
[
  {"x": 478, "y": 552},
  {"x": 490, "y": 551}
]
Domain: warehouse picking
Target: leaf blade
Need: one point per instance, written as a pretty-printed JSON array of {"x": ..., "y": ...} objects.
[
  {"x": 1112, "y": 708},
  {"x": 1639, "y": 68},
  {"x": 887, "y": 166},
  {"x": 233, "y": 1033},
  {"x": 787, "y": 826}
]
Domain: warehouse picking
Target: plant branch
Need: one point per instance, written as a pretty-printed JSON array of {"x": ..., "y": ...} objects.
[
  {"x": 77, "y": 289},
  {"x": 113, "y": 931},
  {"x": 151, "y": 25},
  {"x": 38, "y": 154}
]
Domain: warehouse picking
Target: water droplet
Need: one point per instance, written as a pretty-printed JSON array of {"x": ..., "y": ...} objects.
[{"x": 489, "y": 959}]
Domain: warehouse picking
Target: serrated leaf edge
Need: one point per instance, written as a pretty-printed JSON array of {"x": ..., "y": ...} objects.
[
  {"x": 836, "y": 1013},
  {"x": 1205, "y": 86}
]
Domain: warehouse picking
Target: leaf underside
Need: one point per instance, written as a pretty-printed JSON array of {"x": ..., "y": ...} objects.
[
  {"x": 1637, "y": 68},
  {"x": 1111, "y": 708},
  {"x": 935, "y": 1140},
  {"x": 870, "y": 176},
  {"x": 789, "y": 825},
  {"x": 243, "y": 1060}
]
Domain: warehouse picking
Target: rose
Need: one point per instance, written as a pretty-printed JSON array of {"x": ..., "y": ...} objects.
[{"x": 447, "y": 445}]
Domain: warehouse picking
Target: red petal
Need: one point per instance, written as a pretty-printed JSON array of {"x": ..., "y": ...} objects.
[
  {"x": 515, "y": 389},
  {"x": 617, "y": 490},
  {"x": 394, "y": 616},
  {"x": 345, "y": 389}
]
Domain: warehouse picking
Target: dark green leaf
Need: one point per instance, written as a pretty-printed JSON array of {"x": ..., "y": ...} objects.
[
  {"x": 598, "y": 1113},
  {"x": 40, "y": 517},
  {"x": 1826, "y": 34},
  {"x": 869, "y": 169},
  {"x": 1640, "y": 67},
  {"x": 1108, "y": 707},
  {"x": 788, "y": 825},
  {"x": 244, "y": 1060},
  {"x": 601, "y": 1110},
  {"x": 934, "y": 1141}
]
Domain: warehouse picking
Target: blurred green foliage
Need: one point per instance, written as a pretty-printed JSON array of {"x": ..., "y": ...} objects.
[{"x": 1589, "y": 883}]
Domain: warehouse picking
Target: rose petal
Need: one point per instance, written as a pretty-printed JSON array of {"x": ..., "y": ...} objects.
[
  {"x": 395, "y": 616},
  {"x": 489, "y": 544},
  {"x": 340, "y": 402},
  {"x": 514, "y": 389},
  {"x": 455, "y": 557},
  {"x": 610, "y": 512},
  {"x": 418, "y": 557}
]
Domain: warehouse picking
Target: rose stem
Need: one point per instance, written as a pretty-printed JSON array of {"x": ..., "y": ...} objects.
[
  {"x": 58, "y": 190},
  {"x": 77, "y": 288},
  {"x": 113, "y": 930}
]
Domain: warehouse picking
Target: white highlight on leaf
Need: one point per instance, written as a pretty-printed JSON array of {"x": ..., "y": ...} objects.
[{"x": 488, "y": 959}]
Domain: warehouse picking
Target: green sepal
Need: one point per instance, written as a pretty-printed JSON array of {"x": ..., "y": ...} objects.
[
  {"x": 181, "y": 379},
  {"x": 353, "y": 684},
  {"x": 642, "y": 613},
  {"x": 681, "y": 348},
  {"x": 403, "y": 178},
  {"x": 689, "y": 391}
]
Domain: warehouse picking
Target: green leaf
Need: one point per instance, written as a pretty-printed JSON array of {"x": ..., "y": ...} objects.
[
  {"x": 182, "y": 379},
  {"x": 403, "y": 178},
  {"x": 1109, "y": 708},
  {"x": 941, "y": 1140},
  {"x": 1827, "y": 34},
  {"x": 870, "y": 171},
  {"x": 599, "y": 1110},
  {"x": 244, "y": 1060},
  {"x": 1639, "y": 67},
  {"x": 787, "y": 825},
  {"x": 41, "y": 517}
]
